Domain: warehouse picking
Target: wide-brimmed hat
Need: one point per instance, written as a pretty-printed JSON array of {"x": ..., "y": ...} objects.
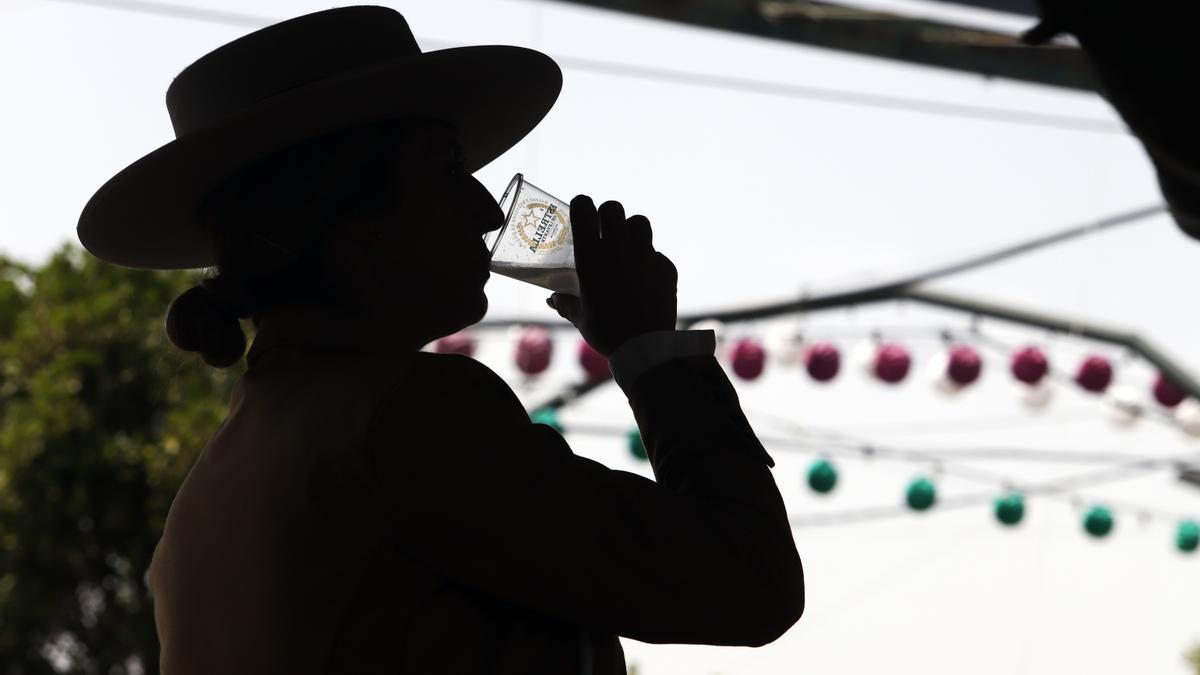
[{"x": 297, "y": 80}]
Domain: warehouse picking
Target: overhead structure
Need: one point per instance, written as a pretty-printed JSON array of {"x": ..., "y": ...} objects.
[
  {"x": 1026, "y": 7},
  {"x": 881, "y": 34},
  {"x": 1190, "y": 474}
]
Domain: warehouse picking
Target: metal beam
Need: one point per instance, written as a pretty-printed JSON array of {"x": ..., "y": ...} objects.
[
  {"x": 871, "y": 33},
  {"x": 1023, "y": 7}
]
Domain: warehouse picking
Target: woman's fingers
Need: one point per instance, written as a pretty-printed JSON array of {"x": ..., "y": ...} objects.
[
  {"x": 585, "y": 231},
  {"x": 614, "y": 234},
  {"x": 640, "y": 235},
  {"x": 605, "y": 240}
]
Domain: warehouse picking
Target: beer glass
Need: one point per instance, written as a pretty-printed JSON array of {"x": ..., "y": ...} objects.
[{"x": 534, "y": 245}]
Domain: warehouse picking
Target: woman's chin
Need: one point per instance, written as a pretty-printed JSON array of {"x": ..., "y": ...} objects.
[
  {"x": 477, "y": 303},
  {"x": 483, "y": 305}
]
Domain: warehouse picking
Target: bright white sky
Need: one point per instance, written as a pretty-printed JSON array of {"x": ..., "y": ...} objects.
[{"x": 756, "y": 197}]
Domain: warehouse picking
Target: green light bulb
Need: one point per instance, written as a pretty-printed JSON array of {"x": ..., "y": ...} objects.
[
  {"x": 1098, "y": 522},
  {"x": 822, "y": 476},
  {"x": 1010, "y": 508},
  {"x": 549, "y": 417},
  {"x": 1187, "y": 537},
  {"x": 921, "y": 494}
]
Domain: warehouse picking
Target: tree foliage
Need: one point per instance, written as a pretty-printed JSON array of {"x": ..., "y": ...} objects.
[{"x": 100, "y": 419}]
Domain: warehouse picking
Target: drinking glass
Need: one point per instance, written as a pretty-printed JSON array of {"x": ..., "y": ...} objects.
[{"x": 534, "y": 245}]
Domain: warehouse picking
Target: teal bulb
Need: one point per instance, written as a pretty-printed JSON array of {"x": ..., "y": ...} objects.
[
  {"x": 1098, "y": 522},
  {"x": 822, "y": 476},
  {"x": 921, "y": 494},
  {"x": 637, "y": 447},
  {"x": 1187, "y": 537},
  {"x": 1010, "y": 508},
  {"x": 548, "y": 417}
]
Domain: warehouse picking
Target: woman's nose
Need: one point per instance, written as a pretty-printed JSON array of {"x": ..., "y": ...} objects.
[{"x": 491, "y": 216}]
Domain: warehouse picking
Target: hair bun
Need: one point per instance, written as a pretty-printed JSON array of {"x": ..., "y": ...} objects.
[{"x": 204, "y": 319}]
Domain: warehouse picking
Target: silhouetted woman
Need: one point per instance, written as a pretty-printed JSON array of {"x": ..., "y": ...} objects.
[{"x": 367, "y": 507}]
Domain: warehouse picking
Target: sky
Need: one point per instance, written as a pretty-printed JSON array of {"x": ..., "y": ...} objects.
[{"x": 759, "y": 197}]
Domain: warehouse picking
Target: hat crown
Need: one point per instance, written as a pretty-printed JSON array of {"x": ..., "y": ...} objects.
[{"x": 284, "y": 56}]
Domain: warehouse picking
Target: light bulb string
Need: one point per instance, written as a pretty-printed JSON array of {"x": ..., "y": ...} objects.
[{"x": 1062, "y": 489}]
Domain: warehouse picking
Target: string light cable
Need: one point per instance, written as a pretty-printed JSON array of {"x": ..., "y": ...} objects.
[{"x": 1124, "y": 467}]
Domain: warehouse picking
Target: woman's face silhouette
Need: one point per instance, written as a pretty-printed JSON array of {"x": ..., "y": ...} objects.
[{"x": 425, "y": 253}]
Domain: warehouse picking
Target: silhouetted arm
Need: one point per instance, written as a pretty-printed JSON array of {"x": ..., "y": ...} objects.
[
  {"x": 647, "y": 350},
  {"x": 492, "y": 501}
]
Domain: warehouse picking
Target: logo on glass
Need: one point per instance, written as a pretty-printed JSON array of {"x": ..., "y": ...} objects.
[{"x": 542, "y": 227}]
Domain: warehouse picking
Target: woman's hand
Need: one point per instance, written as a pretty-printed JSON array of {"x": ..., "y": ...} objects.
[{"x": 626, "y": 288}]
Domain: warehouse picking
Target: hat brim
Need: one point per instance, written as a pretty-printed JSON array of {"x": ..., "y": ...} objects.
[{"x": 145, "y": 217}]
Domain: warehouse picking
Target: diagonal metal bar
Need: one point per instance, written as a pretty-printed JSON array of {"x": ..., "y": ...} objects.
[
  {"x": 890, "y": 289},
  {"x": 1025, "y": 7},
  {"x": 874, "y": 33}
]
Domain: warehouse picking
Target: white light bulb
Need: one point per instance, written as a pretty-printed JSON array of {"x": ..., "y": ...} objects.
[
  {"x": 938, "y": 375},
  {"x": 1037, "y": 396},
  {"x": 1187, "y": 415},
  {"x": 863, "y": 356},
  {"x": 782, "y": 341},
  {"x": 1123, "y": 405}
]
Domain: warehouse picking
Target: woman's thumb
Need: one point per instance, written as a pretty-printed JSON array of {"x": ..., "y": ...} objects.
[{"x": 567, "y": 306}]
